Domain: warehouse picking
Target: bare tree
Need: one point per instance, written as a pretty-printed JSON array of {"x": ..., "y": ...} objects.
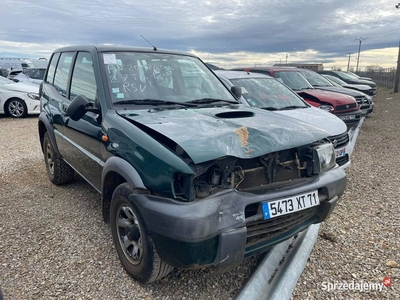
[
  {"x": 373, "y": 68},
  {"x": 334, "y": 68}
]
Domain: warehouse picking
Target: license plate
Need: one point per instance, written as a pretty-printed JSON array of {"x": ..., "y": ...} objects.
[
  {"x": 289, "y": 205},
  {"x": 340, "y": 152},
  {"x": 349, "y": 117},
  {"x": 364, "y": 111}
]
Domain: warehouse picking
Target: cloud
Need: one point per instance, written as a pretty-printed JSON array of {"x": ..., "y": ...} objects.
[{"x": 323, "y": 29}]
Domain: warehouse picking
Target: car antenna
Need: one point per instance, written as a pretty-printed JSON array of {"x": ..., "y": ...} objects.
[{"x": 154, "y": 47}]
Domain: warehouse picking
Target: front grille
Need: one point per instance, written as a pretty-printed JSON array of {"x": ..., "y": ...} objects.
[
  {"x": 363, "y": 103},
  {"x": 346, "y": 107},
  {"x": 262, "y": 230},
  {"x": 370, "y": 92},
  {"x": 342, "y": 160},
  {"x": 341, "y": 140}
]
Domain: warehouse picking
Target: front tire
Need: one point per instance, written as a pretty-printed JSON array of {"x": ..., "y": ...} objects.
[
  {"x": 58, "y": 170},
  {"x": 16, "y": 108},
  {"x": 132, "y": 241}
]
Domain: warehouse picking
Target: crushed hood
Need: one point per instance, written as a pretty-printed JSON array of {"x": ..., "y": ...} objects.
[
  {"x": 328, "y": 96},
  {"x": 319, "y": 118},
  {"x": 210, "y": 133}
]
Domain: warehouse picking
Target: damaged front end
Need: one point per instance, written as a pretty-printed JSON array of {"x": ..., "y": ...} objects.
[
  {"x": 219, "y": 218},
  {"x": 268, "y": 171}
]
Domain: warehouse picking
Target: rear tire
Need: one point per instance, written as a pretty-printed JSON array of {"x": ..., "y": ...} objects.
[
  {"x": 135, "y": 248},
  {"x": 16, "y": 108},
  {"x": 58, "y": 170}
]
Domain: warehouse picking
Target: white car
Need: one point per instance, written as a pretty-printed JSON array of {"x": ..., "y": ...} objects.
[
  {"x": 266, "y": 92},
  {"x": 18, "y": 99}
]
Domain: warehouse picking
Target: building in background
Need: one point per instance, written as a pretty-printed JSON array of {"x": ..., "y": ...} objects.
[{"x": 314, "y": 67}]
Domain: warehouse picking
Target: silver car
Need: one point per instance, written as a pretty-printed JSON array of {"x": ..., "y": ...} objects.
[{"x": 268, "y": 93}]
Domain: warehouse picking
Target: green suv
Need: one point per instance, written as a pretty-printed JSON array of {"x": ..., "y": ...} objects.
[{"x": 189, "y": 178}]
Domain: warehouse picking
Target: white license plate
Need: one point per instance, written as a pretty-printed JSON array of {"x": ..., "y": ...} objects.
[
  {"x": 289, "y": 205},
  {"x": 340, "y": 152},
  {"x": 364, "y": 111},
  {"x": 349, "y": 117}
]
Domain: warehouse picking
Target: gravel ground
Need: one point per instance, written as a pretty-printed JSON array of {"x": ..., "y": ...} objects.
[
  {"x": 54, "y": 244},
  {"x": 360, "y": 242}
]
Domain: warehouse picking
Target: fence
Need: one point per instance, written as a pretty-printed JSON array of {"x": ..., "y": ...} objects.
[{"x": 384, "y": 78}]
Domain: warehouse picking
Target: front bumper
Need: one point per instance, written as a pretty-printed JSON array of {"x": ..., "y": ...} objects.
[
  {"x": 32, "y": 105},
  {"x": 214, "y": 230},
  {"x": 351, "y": 119}
]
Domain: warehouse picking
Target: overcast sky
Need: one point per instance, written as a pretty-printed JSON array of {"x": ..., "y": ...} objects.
[{"x": 228, "y": 33}]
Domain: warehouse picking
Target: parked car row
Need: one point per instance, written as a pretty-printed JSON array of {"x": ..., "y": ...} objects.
[{"x": 190, "y": 177}]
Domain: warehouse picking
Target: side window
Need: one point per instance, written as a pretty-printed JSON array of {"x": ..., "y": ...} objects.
[
  {"x": 62, "y": 72},
  {"x": 52, "y": 68},
  {"x": 83, "y": 79}
]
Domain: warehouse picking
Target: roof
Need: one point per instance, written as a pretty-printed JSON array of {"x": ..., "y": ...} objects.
[
  {"x": 239, "y": 74},
  {"x": 274, "y": 69},
  {"x": 111, "y": 48}
]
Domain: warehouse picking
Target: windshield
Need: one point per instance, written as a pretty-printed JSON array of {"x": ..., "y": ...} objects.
[
  {"x": 36, "y": 73},
  {"x": 315, "y": 79},
  {"x": 294, "y": 80},
  {"x": 345, "y": 75},
  {"x": 268, "y": 93},
  {"x": 135, "y": 76},
  {"x": 353, "y": 74},
  {"x": 335, "y": 80}
]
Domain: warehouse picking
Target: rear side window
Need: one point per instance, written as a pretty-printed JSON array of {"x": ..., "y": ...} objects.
[
  {"x": 52, "y": 68},
  {"x": 62, "y": 72},
  {"x": 83, "y": 80}
]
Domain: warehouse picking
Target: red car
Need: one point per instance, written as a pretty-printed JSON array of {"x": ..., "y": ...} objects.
[{"x": 343, "y": 106}]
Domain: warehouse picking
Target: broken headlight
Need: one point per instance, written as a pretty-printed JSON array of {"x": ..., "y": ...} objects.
[
  {"x": 324, "y": 157},
  {"x": 182, "y": 187}
]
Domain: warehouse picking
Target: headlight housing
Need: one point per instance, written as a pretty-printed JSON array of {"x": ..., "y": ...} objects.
[
  {"x": 324, "y": 157},
  {"x": 34, "y": 96},
  {"x": 328, "y": 108},
  {"x": 182, "y": 187}
]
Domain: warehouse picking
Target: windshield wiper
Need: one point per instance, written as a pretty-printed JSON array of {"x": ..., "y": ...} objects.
[
  {"x": 292, "y": 107},
  {"x": 153, "y": 102},
  {"x": 211, "y": 100},
  {"x": 271, "y": 108}
]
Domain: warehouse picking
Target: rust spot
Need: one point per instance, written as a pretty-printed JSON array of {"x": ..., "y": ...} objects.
[{"x": 243, "y": 135}]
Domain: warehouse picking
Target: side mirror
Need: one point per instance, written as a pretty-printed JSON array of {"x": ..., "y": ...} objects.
[
  {"x": 237, "y": 91},
  {"x": 79, "y": 106}
]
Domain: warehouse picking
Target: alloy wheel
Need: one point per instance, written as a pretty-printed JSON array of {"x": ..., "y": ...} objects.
[
  {"x": 130, "y": 234},
  {"x": 16, "y": 108}
]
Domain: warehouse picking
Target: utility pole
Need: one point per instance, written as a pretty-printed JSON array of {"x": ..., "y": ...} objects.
[
  {"x": 348, "y": 64},
  {"x": 359, "y": 49},
  {"x": 396, "y": 80},
  {"x": 286, "y": 57}
]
